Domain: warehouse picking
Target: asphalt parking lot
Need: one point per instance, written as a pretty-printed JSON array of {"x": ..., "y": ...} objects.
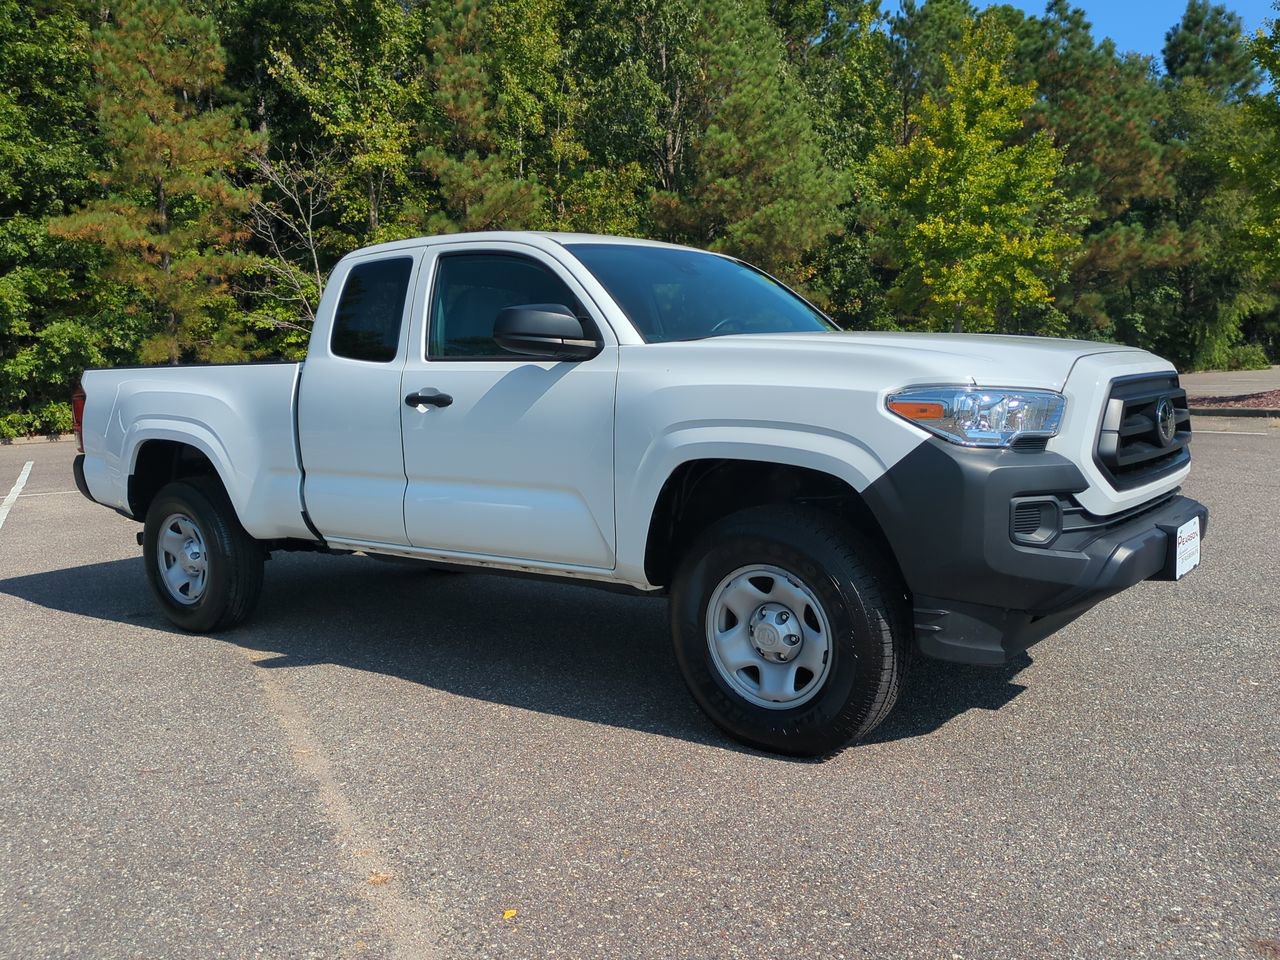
[{"x": 390, "y": 764}]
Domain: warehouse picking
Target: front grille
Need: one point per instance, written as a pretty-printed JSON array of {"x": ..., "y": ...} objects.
[
  {"x": 1135, "y": 443},
  {"x": 1076, "y": 519}
]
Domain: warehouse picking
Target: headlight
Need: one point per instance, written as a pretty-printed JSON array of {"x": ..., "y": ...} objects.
[{"x": 981, "y": 418}]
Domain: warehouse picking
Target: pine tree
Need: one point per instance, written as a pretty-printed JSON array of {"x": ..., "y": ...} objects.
[
  {"x": 758, "y": 185},
  {"x": 924, "y": 34},
  {"x": 1103, "y": 111},
  {"x": 491, "y": 75},
  {"x": 1208, "y": 44},
  {"x": 971, "y": 221},
  {"x": 844, "y": 58},
  {"x": 699, "y": 93},
  {"x": 168, "y": 218}
]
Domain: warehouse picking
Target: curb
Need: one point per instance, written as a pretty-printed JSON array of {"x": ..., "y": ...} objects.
[
  {"x": 1234, "y": 411},
  {"x": 23, "y": 441}
]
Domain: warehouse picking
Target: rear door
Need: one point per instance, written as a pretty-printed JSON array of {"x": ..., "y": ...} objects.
[
  {"x": 349, "y": 402},
  {"x": 519, "y": 464}
]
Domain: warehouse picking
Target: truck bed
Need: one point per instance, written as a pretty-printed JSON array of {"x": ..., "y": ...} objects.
[{"x": 241, "y": 416}]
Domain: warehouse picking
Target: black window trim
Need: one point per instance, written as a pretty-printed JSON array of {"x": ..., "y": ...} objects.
[
  {"x": 590, "y": 325},
  {"x": 414, "y": 257}
]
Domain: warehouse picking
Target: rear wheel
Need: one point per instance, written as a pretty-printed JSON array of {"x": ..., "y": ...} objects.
[
  {"x": 790, "y": 630},
  {"x": 204, "y": 569}
]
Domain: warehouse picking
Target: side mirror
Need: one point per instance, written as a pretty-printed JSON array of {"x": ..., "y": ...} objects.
[{"x": 545, "y": 330}]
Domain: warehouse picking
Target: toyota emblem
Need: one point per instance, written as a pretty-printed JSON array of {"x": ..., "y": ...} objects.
[{"x": 1166, "y": 422}]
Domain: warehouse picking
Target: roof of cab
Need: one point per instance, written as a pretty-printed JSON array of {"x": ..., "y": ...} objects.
[{"x": 518, "y": 236}]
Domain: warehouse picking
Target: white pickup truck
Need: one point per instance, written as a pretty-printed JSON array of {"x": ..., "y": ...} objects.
[{"x": 675, "y": 422}]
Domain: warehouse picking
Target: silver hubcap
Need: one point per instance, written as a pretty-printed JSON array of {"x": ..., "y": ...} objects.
[
  {"x": 182, "y": 559},
  {"x": 769, "y": 637}
]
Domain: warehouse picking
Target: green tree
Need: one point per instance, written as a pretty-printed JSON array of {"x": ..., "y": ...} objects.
[
  {"x": 639, "y": 72},
  {"x": 700, "y": 94},
  {"x": 1198, "y": 305},
  {"x": 924, "y": 35},
  {"x": 48, "y": 288},
  {"x": 501, "y": 131},
  {"x": 490, "y": 80},
  {"x": 1219, "y": 289},
  {"x": 971, "y": 221},
  {"x": 168, "y": 215},
  {"x": 758, "y": 185},
  {"x": 1103, "y": 111},
  {"x": 1207, "y": 43},
  {"x": 295, "y": 67},
  {"x": 250, "y": 30},
  {"x": 361, "y": 84},
  {"x": 1255, "y": 165},
  {"x": 845, "y": 59}
]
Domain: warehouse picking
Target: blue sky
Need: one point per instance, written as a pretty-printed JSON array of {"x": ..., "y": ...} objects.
[{"x": 1140, "y": 25}]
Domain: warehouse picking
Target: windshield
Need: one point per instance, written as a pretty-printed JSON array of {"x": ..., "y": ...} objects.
[{"x": 672, "y": 294}]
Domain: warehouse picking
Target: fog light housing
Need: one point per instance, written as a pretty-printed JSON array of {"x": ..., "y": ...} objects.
[{"x": 1035, "y": 521}]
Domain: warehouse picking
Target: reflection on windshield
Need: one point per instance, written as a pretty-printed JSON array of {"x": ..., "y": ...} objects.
[{"x": 673, "y": 294}]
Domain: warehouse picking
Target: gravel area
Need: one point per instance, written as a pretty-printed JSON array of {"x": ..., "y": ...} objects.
[{"x": 1266, "y": 399}]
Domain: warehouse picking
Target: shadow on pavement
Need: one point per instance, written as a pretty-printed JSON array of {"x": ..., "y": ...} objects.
[
  {"x": 558, "y": 649},
  {"x": 936, "y": 692}
]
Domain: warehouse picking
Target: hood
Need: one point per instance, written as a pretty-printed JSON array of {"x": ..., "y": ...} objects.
[{"x": 985, "y": 360}]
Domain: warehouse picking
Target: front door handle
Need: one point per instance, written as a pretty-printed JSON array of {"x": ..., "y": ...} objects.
[{"x": 428, "y": 396}]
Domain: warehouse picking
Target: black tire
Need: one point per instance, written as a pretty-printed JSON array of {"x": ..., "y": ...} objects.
[
  {"x": 233, "y": 578},
  {"x": 863, "y": 600}
]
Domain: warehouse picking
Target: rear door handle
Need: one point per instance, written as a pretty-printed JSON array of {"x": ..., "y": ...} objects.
[{"x": 428, "y": 396}]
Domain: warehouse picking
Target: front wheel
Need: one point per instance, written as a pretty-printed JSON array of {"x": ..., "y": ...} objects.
[
  {"x": 790, "y": 630},
  {"x": 204, "y": 569}
]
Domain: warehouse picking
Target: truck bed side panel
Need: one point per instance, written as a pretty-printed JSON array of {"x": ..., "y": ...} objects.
[{"x": 240, "y": 416}]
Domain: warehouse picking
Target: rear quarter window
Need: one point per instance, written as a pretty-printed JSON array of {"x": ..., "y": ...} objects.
[{"x": 367, "y": 322}]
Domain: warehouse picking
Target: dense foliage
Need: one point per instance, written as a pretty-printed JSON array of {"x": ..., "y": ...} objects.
[{"x": 178, "y": 176}]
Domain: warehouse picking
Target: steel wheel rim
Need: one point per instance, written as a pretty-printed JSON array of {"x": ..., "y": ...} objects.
[
  {"x": 182, "y": 560},
  {"x": 748, "y": 638}
]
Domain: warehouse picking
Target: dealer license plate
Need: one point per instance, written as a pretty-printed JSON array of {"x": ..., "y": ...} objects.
[{"x": 1187, "y": 546}]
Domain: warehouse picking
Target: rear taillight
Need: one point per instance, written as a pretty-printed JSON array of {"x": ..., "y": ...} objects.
[{"x": 77, "y": 417}]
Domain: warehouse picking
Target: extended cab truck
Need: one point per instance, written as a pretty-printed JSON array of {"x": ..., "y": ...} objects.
[{"x": 670, "y": 421}]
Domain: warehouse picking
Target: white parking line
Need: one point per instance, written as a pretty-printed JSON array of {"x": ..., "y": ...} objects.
[
  {"x": 47, "y": 493},
  {"x": 9, "y": 501}
]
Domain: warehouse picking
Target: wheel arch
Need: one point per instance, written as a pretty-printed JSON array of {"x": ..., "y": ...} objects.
[
  {"x": 159, "y": 460},
  {"x": 698, "y": 492}
]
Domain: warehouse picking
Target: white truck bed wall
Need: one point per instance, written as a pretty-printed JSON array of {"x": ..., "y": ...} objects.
[{"x": 239, "y": 416}]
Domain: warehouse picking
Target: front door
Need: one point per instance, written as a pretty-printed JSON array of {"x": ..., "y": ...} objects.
[{"x": 519, "y": 464}]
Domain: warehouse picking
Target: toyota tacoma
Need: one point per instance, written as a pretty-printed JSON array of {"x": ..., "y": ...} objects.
[{"x": 814, "y": 503}]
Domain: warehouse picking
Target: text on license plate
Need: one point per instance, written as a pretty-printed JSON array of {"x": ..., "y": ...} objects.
[{"x": 1187, "y": 547}]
